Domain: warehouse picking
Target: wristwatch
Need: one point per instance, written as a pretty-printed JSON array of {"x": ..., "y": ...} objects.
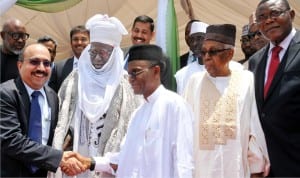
[{"x": 93, "y": 164}]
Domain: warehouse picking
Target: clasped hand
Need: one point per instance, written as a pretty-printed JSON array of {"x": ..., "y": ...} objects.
[{"x": 73, "y": 163}]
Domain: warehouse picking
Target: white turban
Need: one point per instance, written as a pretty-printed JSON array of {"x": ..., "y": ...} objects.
[
  {"x": 96, "y": 87},
  {"x": 104, "y": 29},
  {"x": 198, "y": 27}
]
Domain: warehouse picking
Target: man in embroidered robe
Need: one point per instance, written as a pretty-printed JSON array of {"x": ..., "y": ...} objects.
[
  {"x": 97, "y": 99},
  {"x": 159, "y": 140},
  {"x": 228, "y": 138}
]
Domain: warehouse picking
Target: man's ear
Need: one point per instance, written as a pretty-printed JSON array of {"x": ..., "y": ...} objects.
[
  {"x": 230, "y": 54},
  {"x": 153, "y": 35},
  {"x": 19, "y": 64},
  {"x": 157, "y": 69}
]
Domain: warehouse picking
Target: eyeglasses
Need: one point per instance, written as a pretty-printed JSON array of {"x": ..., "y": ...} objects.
[
  {"x": 102, "y": 53},
  {"x": 213, "y": 52},
  {"x": 37, "y": 62},
  {"x": 133, "y": 74},
  {"x": 245, "y": 39},
  {"x": 17, "y": 35},
  {"x": 273, "y": 14},
  {"x": 252, "y": 35}
]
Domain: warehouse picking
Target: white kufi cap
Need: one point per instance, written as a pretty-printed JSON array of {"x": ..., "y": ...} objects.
[
  {"x": 198, "y": 27},
  {"x": 104, "y": 29}
]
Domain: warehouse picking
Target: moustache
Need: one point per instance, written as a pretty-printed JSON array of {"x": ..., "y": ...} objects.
[
  {"x": 137, "y": 38},
  {"x": 41, "y": 72}
]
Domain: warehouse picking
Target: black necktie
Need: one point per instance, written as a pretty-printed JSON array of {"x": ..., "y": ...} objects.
[{"x": 35, "y": 122}]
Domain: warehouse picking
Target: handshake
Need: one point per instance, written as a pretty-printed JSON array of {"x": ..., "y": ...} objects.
[{"x": 73, "y": 163}]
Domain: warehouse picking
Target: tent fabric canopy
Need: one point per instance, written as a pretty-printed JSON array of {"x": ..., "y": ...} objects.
[{"x": 58, "y": 25}]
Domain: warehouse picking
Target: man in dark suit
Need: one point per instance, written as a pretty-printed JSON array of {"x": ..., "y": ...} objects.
[
  {"x": 50, "y": 43},
  {"x": 279, "y": 106},
  {"x": 14, "y": 38},
  {"x": 187, "y": 57},
  {"x": 80, "y": 38},
  {"x": 23, "y": 153}
]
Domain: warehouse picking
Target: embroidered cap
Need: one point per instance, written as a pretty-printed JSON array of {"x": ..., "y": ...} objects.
[{"x": 223, "y": 33}]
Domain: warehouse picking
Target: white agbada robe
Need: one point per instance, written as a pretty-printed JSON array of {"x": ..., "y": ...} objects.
[
  {"x": 240, "y": 156},
  {"x": 183, "y": 75},
  {"x": 159, "y": 140}
]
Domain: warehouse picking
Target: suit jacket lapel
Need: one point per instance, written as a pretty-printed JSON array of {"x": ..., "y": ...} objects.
[
  {"x": 68, "y": 68},
  {"x": 25, "y": 101},
  {"x": 293, "y": 49},
  {"x": 260, "y": 76},
  {"x": 287, "y": 59},
  {"x": 52, "y": 105}
]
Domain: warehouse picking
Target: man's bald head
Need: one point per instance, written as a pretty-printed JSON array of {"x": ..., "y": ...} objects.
[{"x": 14, "y": 36}]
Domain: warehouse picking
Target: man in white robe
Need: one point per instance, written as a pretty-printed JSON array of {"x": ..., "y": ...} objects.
[
  {"x": 96, "y": 100},
  {"x": 228, "y": 138},
  {"x": 159, "y": 140},
  {"x": 197, "y": 33}
]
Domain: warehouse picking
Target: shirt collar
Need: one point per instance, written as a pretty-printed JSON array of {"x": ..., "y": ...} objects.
[
  {"x": 155, "y": 94},
  {"x": 30, "y": 90},
  {"x": 191, "y": 53}
]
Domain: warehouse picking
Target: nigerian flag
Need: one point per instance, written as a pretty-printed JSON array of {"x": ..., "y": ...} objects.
[
  {"x": 167, "y": 34},
  {"x": 47, "y": 5}
]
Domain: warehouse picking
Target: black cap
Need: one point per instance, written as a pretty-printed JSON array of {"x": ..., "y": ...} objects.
[{"x": 145, "y": 52}]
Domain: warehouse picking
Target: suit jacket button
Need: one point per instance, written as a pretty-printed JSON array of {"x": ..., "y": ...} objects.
[{"x": 263, "y": 115}]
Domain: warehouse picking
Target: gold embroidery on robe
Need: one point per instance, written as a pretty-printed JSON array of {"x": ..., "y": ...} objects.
[{"x": 218, "y": 113}]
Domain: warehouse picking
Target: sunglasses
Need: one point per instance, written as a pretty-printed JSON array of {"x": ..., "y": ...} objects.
[
  {"x": 213, "y": 52},
  {"x": 17, "y": 35},
  {"x": 37, "y": 62},
  {"x": 135, "y": 72}
]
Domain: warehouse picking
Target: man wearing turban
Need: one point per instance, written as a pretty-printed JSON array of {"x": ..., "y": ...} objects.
[{"x": 96, "y": 100}]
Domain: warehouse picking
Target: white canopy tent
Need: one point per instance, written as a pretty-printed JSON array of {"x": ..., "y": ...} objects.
[{"x": 59, "y": 24}]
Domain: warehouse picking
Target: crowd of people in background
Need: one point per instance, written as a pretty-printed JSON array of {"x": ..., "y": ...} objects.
[{"x": 111, "y": 112}]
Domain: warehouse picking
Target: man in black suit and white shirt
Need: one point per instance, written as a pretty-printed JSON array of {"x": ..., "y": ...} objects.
[
  {"x": 80, "y": 38},
  {"x": 27, "y": 152},
  {"x": 279, "y": 106}
]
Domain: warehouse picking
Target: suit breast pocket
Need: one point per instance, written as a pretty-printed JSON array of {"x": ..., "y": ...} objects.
[{"x": 292, "y": 77}]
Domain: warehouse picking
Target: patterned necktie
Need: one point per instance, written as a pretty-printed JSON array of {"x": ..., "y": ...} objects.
[
  {"x": 272, "y": 68},
  {"x": 35, "y": 122}
]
